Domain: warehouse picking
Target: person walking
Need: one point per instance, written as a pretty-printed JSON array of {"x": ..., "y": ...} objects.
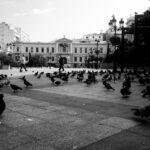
[
  {"x": 49, "y": 63},
  {"x": 61, "y": 64},
  {"x": 23, "y": 63}
]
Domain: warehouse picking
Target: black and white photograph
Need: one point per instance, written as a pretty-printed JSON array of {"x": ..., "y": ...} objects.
[{"x": 74, "y": 74}]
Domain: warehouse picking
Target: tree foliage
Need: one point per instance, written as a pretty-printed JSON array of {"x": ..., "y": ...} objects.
[
  {"x": 115, "y": 41},
  {"x": 142, "y": 36},
  {"x": 5, "y": 59},
  {"x": 37, "y": 61}
]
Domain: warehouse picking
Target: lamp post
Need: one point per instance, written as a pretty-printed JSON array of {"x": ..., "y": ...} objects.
[
  {"x": 97, "y": 51},
  {"x": 112, "y": 25},
  {"x": 90, "y": 59},
  {"x": 49, "y": 61},
  {"x": 121, "y": 22}
]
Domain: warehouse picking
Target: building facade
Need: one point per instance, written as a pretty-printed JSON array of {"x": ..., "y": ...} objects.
[
  {"x": 75, "y": 52},
  {"x": 9, "y": 35},
  {"x": 94, "y": 36},
  {"x": 6, "y": 36},
  {"x": 129, "y": 24}
]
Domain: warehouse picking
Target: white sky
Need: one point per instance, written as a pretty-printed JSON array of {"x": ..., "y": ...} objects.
[{"x": 46, "y": 20}]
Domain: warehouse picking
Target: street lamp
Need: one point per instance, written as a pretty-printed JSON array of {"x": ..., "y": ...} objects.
[
  {"x": 112, "y": 24},
  {"x": 121, "y": 22},
  {"x": 97, "y": 51},
  {"x": 49, "y": 61},
  {"x": 90, "y": 59}
]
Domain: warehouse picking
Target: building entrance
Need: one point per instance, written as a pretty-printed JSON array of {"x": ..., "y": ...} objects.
[{"x": 65, "y": 60}]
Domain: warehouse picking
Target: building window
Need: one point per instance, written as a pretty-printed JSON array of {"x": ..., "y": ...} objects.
[
  {"x": 80, "y": 50},
  {"x": 47, "y": 49},
  {"x": 26, "y": 58},
  {"x": 91, "y": 49},
  {"x": 101, "y": 50},
  {"x": 75, "y": 50},
  {"x": 17, "y": 49},
  {"x": 26, "y": 49},
  {"x": 75, "y": 59},
  {"x": 42, "y": 50},
  {"x": 53, "y": 49},
  {"x": 80, "y": 59},
  {"x": 37, "y": 49},
  {"x": 31, "y": 49},
  {"x": 85, "y": 50},
  {"x": 52, "y": 58},
  {"x": 17, "y": 58}
]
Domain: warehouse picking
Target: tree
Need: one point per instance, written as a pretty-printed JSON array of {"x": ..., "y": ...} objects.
[
  {"x": 5, "y": 59},
  {"x": 123, "y": 53},
  {"x": 142, "y": 39},
  {"x": 37, "y": 61},
  {"x": 115, "y": 41}
]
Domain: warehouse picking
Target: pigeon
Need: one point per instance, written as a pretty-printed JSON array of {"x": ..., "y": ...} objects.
[
  {"x": 48, "y": 75},
  {"x": 107, "y": 85},
  {"x": 27, "y": 83},
  {"x": 80, "y": 77},
  {"x": 119, "y": 76},
  {"x": 146, "y": 91},
  {"x": 65, "y": 77},
  {"x": 7, "y": 82},
  {"x": 36, "y": 73},
  {"x": 142, "y": 112},
  {"x": 73, "y": 74},
  {"x": 3, "y": 76},
  {"x": 40, "y": 74},
  {"x": 127, "y": 83},
  {"x": 141, "y": 80},
  {"x": 2, "y": 104},
  {"x": 15, "y": 88},
  {"x": 87, "y": 81},
  {"x": 55, "y": 82},
  {"x": 125, "y": 92},
  {"x": 1, "y": 85}
]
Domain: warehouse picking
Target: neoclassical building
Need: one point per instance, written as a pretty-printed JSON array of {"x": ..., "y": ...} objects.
[{"x": 75, "y": 52}]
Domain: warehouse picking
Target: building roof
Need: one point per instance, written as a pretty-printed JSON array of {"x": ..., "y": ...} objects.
[{"x": 64, "y": 40}]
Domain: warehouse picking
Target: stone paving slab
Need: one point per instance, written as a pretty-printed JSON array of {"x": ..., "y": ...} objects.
[
  {"x": 55, "y": 126},
  {"x": 12, "y": 138},
  {"x": 122, "y": 141},
  {"x": 16, "y": 71},
  {"x": 15, "y": 119},
  {"x": 35, "y": 145},
  {"x": 119, "y": 122},
  {"x": 96, "y": 93},
  {"x": 45, "y": 124}
]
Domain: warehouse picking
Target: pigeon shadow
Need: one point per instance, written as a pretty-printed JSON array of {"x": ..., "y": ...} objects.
[{"x": 143, "y": 121}]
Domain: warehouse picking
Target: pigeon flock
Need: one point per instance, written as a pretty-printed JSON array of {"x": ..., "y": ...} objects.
[{"x": 104, "y": 77}]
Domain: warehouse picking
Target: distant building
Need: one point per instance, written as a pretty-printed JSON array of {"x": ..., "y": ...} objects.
[
  {"x": 21, "y": 35},
  {"x": 75, "y": 52},
  {"x": 110, "y": 33},
  {"x": 7, "y": 35},
  {"x": 129, "y": 23},
  {"x": 94, "y": 36}
]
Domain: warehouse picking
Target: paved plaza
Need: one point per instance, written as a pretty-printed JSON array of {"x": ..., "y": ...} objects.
[{"x": 72, "y": 116}]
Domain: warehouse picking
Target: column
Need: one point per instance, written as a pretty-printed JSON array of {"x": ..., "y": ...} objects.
[
  {"x": 71, "y": 48},
  {"x": 57, "y": 48}
]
